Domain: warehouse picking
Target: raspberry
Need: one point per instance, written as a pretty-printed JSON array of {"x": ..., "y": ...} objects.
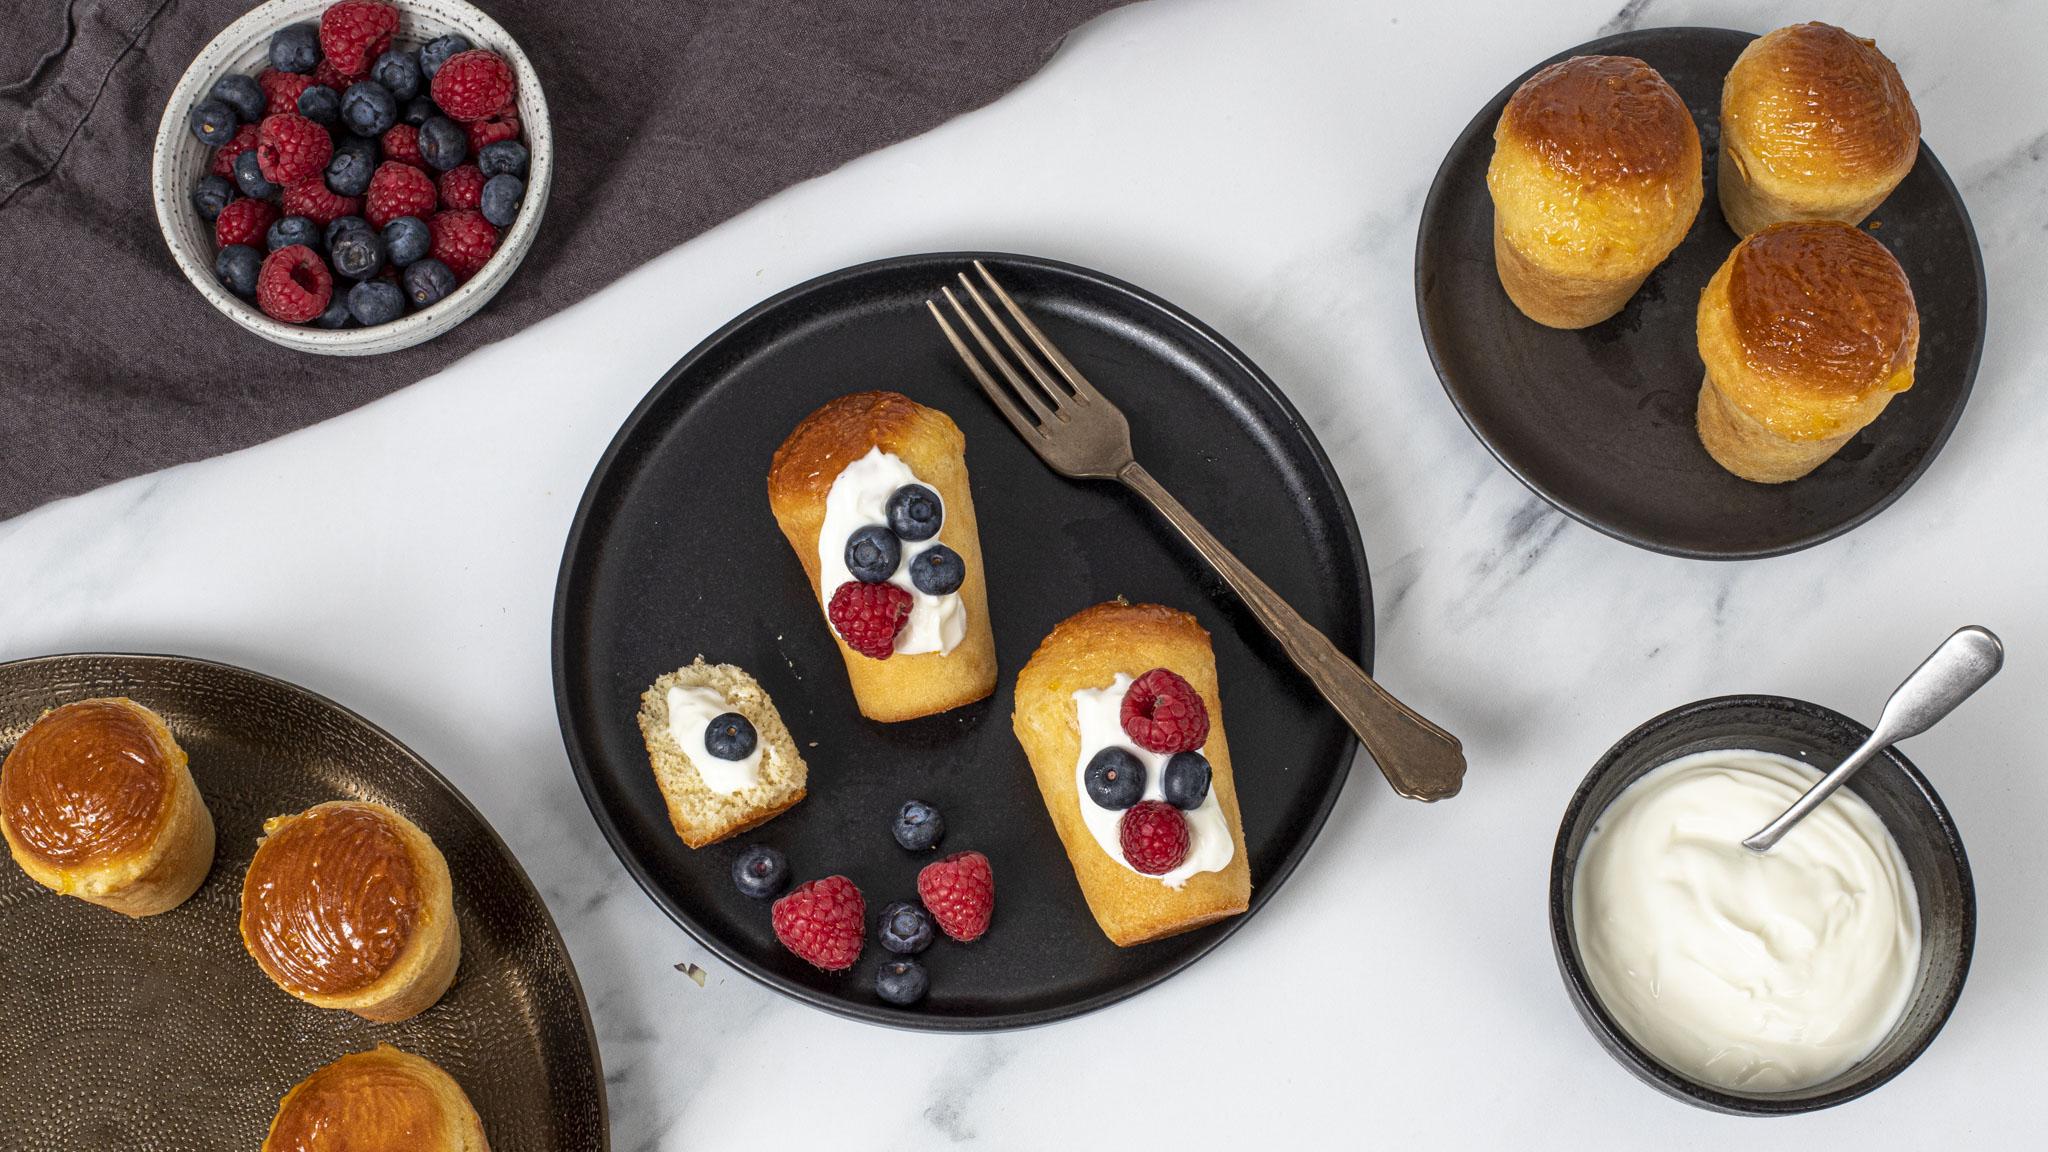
[
  {"x": 396, "y": 190},
  {"x": 500, "y": 125},
  {"x": 354, "y": 33},
  {"x": 960, "y": 893},
  {"x": 283, "y": 89},
  {"x": 291, "y": 148},
  {"x": 326, "y": 75},
  {"x": 402, "y": 143},
  {"x": 314, "y": 200},
  {"x": 244, "y": 221},
  {"x": 223, "y": 164},
  {"x": 473, "y": 84},
  {"x": 1162, "y": 713},
  {"x": 462, "y": 187},
  {"x": 294, "y": 285},
  {"x": 464, "y": 242},
  {"x": 1154, "y": 836},
  {"x": 867, "y": 616},
  {"x": 824, "y": 922}
]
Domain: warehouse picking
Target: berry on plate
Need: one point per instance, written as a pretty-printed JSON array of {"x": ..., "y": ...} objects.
[
  {"x": 295, "y": 48},
  {"x": 866, "y": 616},
  {"x": 759, "y": 871},
  {"x": 936, "y": 571},
  {"x": 1186, "y": 780},
  {"x": 1154, "y": 837},
  {"x": 872, "y": 553},
  {"x": 244, "y": 222},
  {"x": 1163, "y": 713},
  {"x": 901, "y": 981},
  {"x": 730, "y": 736},
  {"x": 918, "y": 826},
  {"x": 473, "y": 85},
  {"x": 1115, "y": 779},
  {"x": 354, "y": 33},
  {"x": 398, "y": 190},
  {"x": 463, "y": 240},
  {"x": 294, "y": 285},
  {"x": 824, "y": 922},
  {"x": 376, "y": 302},
  {"x": 960, "y": 893},
  {"x": 291, "y": 148},
  {"x": 904, "y": 928},
  {"x": 312, "y": 198}
]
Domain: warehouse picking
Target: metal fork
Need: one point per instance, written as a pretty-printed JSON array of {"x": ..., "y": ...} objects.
[{"x": 1081, "y": 434}]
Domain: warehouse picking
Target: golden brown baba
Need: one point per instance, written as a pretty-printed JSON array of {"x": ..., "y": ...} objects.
[
  {"x": 383, "y": 1100},
  {"x": 906, "y": 685},
  {"x": 1807, "y": 331},
  {"x": 96, "y": 801},
  {"x": 1595, "y": 178},
  {"x": 1815, "y": 125},
  {"x": 349, "y": 905}
]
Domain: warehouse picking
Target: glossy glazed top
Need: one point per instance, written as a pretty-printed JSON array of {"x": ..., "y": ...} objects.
[
  {"x": 87, "y": 782},
  {"x": 1814, "y": 103},
  {"x": 1823, "y": 302},
  {"x": 331, "y": 899}
]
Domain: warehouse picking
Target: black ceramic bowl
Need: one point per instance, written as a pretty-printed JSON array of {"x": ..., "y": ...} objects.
[{"x": 1892, "y": 787}]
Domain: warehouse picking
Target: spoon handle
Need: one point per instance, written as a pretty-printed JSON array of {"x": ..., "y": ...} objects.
[{"x": 1962, "y": 664}]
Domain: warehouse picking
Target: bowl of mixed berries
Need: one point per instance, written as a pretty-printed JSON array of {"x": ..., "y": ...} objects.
[{"x": 354, "y": 177}]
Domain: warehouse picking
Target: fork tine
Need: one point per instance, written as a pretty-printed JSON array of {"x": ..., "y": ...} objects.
[
  {"x": 1005, "y": 398},
  {"x": 1081, "y": 386},
  {"x": 1059, "y": 396}
]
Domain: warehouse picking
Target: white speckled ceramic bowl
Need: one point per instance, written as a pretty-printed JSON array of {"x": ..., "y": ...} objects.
[{"x": 180, "y": 161}]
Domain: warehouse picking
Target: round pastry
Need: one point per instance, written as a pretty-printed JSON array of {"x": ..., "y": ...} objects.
[
  {"x": 348, "y": 905},
  {"x": 96, "y": 802},
  {"x": 383, "y": 1100},
  {"x": 1815, "y": 125},
  {"x": 1808, "y": 330},
  {"x": 1595, "y": 178}
]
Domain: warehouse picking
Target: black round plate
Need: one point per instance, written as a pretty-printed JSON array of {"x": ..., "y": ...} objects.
[
  {"x": 1600, "y": 421},
  {"x": 163, "y": 1033},
  {"x": 674, "y": 553}
]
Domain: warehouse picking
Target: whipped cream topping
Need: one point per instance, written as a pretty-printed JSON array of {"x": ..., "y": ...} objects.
[
  {"x": 1751, "y": 972},
  {"x": 1099, "y": 712},
  {"x": 860, "y": 497},
  {"x": 690, "y": 713}
]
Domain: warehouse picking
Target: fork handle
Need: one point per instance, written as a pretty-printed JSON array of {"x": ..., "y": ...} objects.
[{"x": 1421, "y": 760}]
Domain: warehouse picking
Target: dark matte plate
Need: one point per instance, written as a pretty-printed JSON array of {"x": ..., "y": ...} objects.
[
  {"x": 674, "y": 553},
  {"x": 163, "y": 1033},
  {"x": 1600, "y": 421}
]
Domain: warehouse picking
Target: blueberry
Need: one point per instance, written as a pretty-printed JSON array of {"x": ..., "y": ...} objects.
[
  {"x": 937, "y": 570},
  {"x": 406, "y": 239},
  {"x": 213, "y": 122},
  {"x": 500, "y": 200},
  {"x": 872, "y": 554},
  {"x": 295, "y": 49},
  {"x": 236, "y": 267},
  {"x": 293, "y": 230},
  {"x": 427, "y": 281},
  {"x": 437, "y": 52},
  {"x": 343, "y": 224},
  {"x": 730, "y": 736},
  {"x": 918, "y": 826},
  {"x": 399, "y": 73},
  {"x": 443, "y": 143},
  {"x": 210, "y": 195},
  {"x": 243, "y": 94},
  {"x": 321, "y": 105},
  {"x": 249, "y": 177},
  {"x": 1115, "y": 778},
  {"x": 905, "y": 928},
  {"x": 418, "y": 110},
  {"x": 915, "y": 512},
  {"x": 503, "y": 158},
  {"x": 759, "y": 871},
  {"x": 357, "y": 253},
  {"x": 902, "y": 981},
  {"x": 368, "y": 108},
  {"x": 337, "y": 314},
  {"x": 1186, "y": 781},
  {"x": 353, "y": 163},
  {"x": 375, "y": 301}
]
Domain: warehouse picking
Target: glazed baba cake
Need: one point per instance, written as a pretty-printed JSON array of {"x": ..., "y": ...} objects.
[
  {"x": 1808, "y": 330},
  {"x": 349, "y": 905},
  {"x": 96, "y": 802},
  {"x": 1119, "y": 715},
  {"x": 382, "y": 1100},
  {"x": 1815, "y": 125},
  {"x": 871, "y": 492},
  {"x": 1595, "y": 178},
  {"x": 721, "y": 756}
]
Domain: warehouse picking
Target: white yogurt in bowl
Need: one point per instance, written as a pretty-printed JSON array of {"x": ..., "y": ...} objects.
[{"x": 1753, "y": 973}]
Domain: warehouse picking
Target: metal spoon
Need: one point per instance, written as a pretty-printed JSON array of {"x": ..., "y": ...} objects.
[{"x": 1959, "y": 667}]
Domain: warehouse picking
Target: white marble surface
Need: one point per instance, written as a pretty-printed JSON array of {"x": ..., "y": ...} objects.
[{"x": 1262, "y": 164}]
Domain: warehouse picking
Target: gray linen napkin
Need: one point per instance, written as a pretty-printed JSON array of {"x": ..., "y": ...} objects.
[{"x": 669, "y": 116}]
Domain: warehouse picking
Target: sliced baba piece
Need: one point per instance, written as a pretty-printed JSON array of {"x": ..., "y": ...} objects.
[{"x": 721, "y": 755}]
